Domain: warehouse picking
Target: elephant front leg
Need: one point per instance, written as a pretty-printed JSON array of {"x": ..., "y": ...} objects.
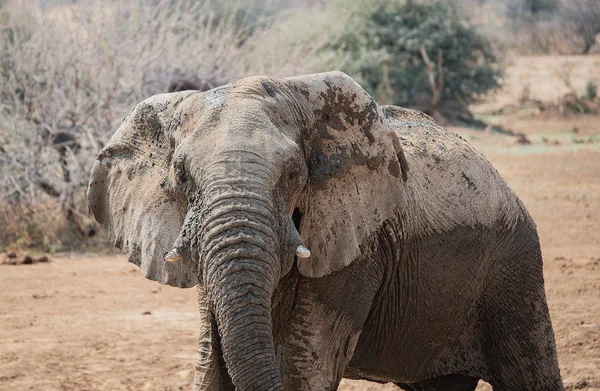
[
  {"x": 211, "y": 373},
  {"x": 316, "y": 347}
]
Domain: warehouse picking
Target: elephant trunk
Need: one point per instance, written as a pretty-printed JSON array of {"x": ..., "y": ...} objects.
[{"x": 241, "y": 270}]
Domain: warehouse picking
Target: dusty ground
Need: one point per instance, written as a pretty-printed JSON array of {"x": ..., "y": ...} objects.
[
  {"x": 91, "y": 322},
  {"x": 546, "y": 78}
]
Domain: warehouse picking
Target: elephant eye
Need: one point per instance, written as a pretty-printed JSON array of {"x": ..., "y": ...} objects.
[{"x": 295, "y": 171}]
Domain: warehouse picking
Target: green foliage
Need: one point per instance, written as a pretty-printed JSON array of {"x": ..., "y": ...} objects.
[
  {"x": 48, "y": 245},
  {"x": 396, "y": 29},
  {"x": 525, "y": 93},
  {"x": 591, "y": 91}
]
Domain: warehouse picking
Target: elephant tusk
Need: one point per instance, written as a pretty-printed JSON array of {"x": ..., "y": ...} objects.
[
  {"x": 302, "y": 252},
  {"x": 172, "y": 256}
]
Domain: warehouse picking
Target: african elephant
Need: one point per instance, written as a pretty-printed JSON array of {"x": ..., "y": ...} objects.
[{"x": 329, "y": 237}]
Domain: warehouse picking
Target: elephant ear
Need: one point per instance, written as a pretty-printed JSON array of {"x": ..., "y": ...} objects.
[
  {"x": 131, "y": 190},
  {"x": 356, "y": 170}
]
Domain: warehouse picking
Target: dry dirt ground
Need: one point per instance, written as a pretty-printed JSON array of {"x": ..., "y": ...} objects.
[{"x": 92, "y": 322}]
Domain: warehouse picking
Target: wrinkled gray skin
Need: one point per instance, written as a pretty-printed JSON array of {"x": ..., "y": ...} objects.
[{"x": 425, "y": 269}]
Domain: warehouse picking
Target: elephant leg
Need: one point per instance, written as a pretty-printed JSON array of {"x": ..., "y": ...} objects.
[
  {"x": 443, "y": 383},
  {"x": 317, "y": 348},
  {"x": 211, "y": 373},
  {"x": 518, "y": 340},
  {"x": 319, "y": 339}
]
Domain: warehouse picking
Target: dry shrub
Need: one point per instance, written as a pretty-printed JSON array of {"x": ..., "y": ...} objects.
[
  {"x": 24, "y": 226},
  {"x": 538, "y": 26},
  {"x": 580, "y": 22},
  {"x": 70, "y": 73}
]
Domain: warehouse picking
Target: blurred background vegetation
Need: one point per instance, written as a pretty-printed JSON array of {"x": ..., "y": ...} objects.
[{"x": 70, "y": 71}]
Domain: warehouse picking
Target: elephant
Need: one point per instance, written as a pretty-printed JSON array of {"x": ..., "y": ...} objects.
[{"x": 328, "y": 237}]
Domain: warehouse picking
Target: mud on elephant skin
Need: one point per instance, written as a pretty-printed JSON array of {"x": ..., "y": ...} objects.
[{"x": 329, "y": 237}]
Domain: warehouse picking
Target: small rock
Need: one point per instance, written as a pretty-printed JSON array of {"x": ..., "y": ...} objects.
[{"x": 20, "y": 258}]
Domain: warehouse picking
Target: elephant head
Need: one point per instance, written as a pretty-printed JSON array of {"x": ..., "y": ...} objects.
[{"x": 229, "y": 184}]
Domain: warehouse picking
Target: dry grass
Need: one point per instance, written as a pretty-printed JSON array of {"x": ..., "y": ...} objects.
[{"x": 24, "y": 227}]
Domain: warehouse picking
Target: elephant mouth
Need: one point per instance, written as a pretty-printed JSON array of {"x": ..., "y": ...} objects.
[
  {"x": 297, "y": 218},
  {"x": 301, "y": 251}
]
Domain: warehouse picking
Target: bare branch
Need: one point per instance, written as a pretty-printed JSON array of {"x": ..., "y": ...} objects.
[
  {"x": 440, "y": 67},
  {"x": 47, "y": 187},
  {"x": 436, "y": 86},
  {"x": 16, "y": 185}
]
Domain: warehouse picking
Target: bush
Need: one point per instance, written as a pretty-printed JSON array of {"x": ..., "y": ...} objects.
[
  {"x": 531, "y": 9},
  {"x": 591, "y": 91},
  {"x": 581, "y": 18},
  {"x": 384, "y": 40},
  {"x": 551, "y": 26},
  {"x": 538, "y": 26}
]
